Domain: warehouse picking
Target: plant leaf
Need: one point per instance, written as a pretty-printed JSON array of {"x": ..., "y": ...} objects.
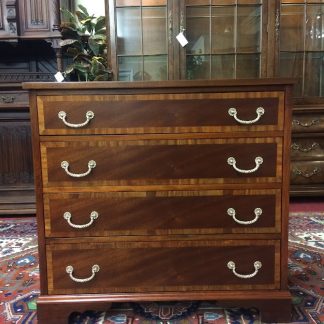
[
  {"x": 83, "y": 9},
  {"x": 94, "y": 46},
  {"x": 66, "y": 42},
  {"x": 100, "y": 24}
]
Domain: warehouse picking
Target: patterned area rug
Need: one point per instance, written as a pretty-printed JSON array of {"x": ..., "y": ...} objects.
[
  {"x": 19, "y": 282},
  {"x": 19, "y": 275}
]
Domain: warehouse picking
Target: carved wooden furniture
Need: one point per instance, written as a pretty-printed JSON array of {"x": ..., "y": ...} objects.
[
  {"x": 162, "y": 191},
  {"x": 16, "y": 168},
  {"x": 307, "y": 151},
  {"x": 8, "y": 19},
  {"x": 301, "y": 52},
  {"x": 22, "y": 19}
]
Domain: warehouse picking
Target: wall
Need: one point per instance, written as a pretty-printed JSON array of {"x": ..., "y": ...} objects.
[{"x": 95, "y": 7}]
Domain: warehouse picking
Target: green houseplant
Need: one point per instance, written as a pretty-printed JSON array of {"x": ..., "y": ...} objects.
[{"x": 85, "y": 41}]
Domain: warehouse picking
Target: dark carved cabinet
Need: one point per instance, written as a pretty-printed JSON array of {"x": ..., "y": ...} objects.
[
  {"x": 39, "y": 18},
  {"x": 16, "y": 167},
  {"x": 8, "y": 19},
  {"x": 29, "y": 19}
]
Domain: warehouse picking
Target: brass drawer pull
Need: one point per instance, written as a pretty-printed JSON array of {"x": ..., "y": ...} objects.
[
  {"x": 257, "y": 266},
  {"x": 306, "y": 174},
  {"x": 306, "y": 124},
  {"x": 233, "y": 112},
  {"x": 297, "y": 147},
  {"x": 89, "y": 115},
  {"x": 258, "y": 161},
  {"x": 65, "y": 166},
  {"x": 67, "y": 216},
  {"x": 257, "y": 211},
  {"x": 8, "y": 99},
  {"x": 69, "y": 271}
]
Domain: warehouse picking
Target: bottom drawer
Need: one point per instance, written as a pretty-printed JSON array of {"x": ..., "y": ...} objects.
[
  {"x": 307, "y": 172},
  {"x": 163, "y": 266}
]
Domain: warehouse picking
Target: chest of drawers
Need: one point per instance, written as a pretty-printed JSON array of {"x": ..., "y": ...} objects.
[
  {"x": 307, "y": 151},
  {"x": 162, "y": 191}
]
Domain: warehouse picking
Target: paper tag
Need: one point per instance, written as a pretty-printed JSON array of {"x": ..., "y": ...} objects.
[
  {"x": 182, "y": 39},
  {"x": 59, "y": 77}
]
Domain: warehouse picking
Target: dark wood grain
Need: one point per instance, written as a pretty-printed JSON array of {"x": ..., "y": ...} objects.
[
  {"x": 164, "y": 212},
  {"x": 17, "y": 195},
  {"x": 136, "y": 267},
  {"x": 160, "y": 162},
  {"x": 160, "y": 113}
]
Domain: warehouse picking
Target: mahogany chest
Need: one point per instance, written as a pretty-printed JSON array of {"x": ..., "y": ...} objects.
[{"x": 152, "y": 191}]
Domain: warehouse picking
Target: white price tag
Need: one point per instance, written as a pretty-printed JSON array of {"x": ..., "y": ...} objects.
[
  {"x": 182, "y": 39},
  {"x": 59, "y": 77}
]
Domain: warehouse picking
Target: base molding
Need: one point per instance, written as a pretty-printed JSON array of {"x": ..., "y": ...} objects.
[{"x": 274, "y": 306}]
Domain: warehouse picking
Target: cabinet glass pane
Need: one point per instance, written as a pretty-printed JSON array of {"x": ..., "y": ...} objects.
[
  {"x": 291, "y": 65},
  {"x": 248, "y": 28},
  {"x": 197, "y": 2},
  {"x": 129, "y": 35},
  {"x": 198, "y": 67},
  {"x": 137, "y": 3},
  {"x": 314, "y": 74},
  {"x": 302, "y": 46},
  {"x": 154, "y": 31},
  {"x": 247, "y": 65},
  {"x": 223, "y": 29},
  {"x": 247, "y": 2},
  {"x": 198, "y": 30},
  {"x": 155, "y": 67},
  {"x": 142, "y": 39},
  {"x": 129, "y": 3},
  {"x": 223, "y": 66},
  {"x": 315, "y": 28},
  {"x": 130, "y": 68},
  {"x": 292, "y": 28}
]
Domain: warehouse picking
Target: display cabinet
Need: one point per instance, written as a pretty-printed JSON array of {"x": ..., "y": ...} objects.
[
  {"x": 229, "y": 39},
  {"x": 140, "y": 39},
  {"x": 301, "y": 54},
  {"x": 226, "y": 39}
]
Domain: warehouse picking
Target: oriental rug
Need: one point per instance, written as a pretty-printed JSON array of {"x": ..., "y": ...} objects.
[{"x": 19, "y": 282}]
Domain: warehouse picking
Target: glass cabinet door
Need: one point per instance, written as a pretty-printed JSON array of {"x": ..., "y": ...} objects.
[
  {"x": 142, "y": 39},
  {"x": 301, "y": 52},
  {"x": 225, "y": 39}
]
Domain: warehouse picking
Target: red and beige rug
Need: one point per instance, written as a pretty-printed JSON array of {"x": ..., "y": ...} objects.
[{"x": 19, "y": 282}]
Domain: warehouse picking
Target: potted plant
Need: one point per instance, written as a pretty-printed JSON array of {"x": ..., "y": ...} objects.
[{"x": 85, "y": 41}]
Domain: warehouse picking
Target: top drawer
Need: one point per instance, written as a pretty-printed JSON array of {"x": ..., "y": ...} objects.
[{"x": 160, "y": 113}]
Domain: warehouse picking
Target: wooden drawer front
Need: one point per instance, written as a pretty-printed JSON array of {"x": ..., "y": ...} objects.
[
  {"x": 307, "y": 172},
  {"x": 302, "y": 123},
  {"x": 13, "y": 98},
  {"x": 148, "y": 162},
  {"x": 307, "y": 148},
  {"x": 160, "y": 113},
  {"x": 162, "y": 212},
  {"x": 162, "y": 266}
]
